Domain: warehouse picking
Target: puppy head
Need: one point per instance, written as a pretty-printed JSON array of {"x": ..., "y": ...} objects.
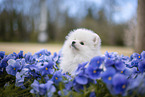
[{"x": 82, "y": 40}]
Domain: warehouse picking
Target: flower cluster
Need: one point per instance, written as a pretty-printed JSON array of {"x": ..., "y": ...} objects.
[
  {"x": 122, "y": 72},
  {"x": 122, "y": 75}
]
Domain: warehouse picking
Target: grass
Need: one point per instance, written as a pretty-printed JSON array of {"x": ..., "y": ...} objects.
[{"x": 34, "y": 47}]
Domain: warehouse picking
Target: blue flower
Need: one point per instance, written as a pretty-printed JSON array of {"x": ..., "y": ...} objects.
[
  {"x": 68, "y": 85},
  {"x": 108, "y": 75},
  {"x": 23, "y": 63},
  {"x": 5, "y": 59},
  {"x": 32, "y": 67},
  {"x": 125, "y": 58},
  {"x": 119, "y": 65},
  {"x": 29, "y": 58},
  {"x": 20, "y": 55},
  {"x": 134, "y": 63},
  {"x": 57, "y": 77},
  {"x": 20, "y": 77},
  {"x": 47, "y": 68},
  {"x": 111, "y": 55},
  {"x": 64, "y": 92},
  {"x": 35, "y": 87},
  {"x": 119, "y": 83},
  {"x": 109, "y": 62},
  {"x": 135, "y": 82},
  {"x": 81, "y": 68},
  {"x": 131, "y": 57},
  {"x": 42, "y": 89},
  {"x": 93, "y": 73},
  {"x": 42, "y": 52},
  {"x": 137, "y": 56},
  {"x": 2, "y": 54},
  {"x": 141, "y": 66},
  {"x": 81, "y": 79},
  {"x": 13, "y": 67},
  {"x": 55, "y": 58},
  {"x": 77, "y": 87},
  {"x": 96, "y": 61},
  {"x": 137, "y": 85},
  {"x": 143, "y": 54},
  {"x": 129, "y": 71},
  {"x": 33, "y": 70},
  {"x": 50, "y": 88},
  {"x": 44, "y": 58}
]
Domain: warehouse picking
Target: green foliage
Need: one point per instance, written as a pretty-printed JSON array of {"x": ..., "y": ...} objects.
[
  {"x": 12, "y": 91},
  {"x": 4, "y": 78},
  {"x": 8, "y": 88}
]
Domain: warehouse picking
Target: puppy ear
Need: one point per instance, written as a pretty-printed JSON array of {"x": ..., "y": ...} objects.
[{"x": 97, "y": 40}]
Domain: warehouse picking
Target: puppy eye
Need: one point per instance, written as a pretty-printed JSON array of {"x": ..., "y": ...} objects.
[{"x": 81, "y": 43}]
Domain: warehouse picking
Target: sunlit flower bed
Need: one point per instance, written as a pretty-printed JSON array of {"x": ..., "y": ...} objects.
[{"x": 39, "y": 75}]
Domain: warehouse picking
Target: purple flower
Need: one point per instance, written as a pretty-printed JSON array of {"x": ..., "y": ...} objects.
[
  {"x": 64, "y": 92},
  {"x": 119, "y": 65},
  {"x": 19, "y": 79},
  {"x": 13, "y": 67},
  {"x": 35, "y": 87},
  {"x": 129, "y": 71},
  {"x": 20, "y": 55},
  {"x": 93, "y": 73},
  {"x": 81, "y": 79},
  {"x": 96, "y": 61},
  {"x": 119, "y": 82},
  {"x": 42, "y": 52},
  {"x": 135, "y": 82},
  {"x": 42, "y": 89},
  {"x": 68, "y": 85},
  {"x": 125, "y": 58},
  {"x": 77, "y": 87},
  {"x": 4, "y": 62},
  {"x": 137, "y": 85},
  {"x": 81, "y": 68},
  {"x": 111, "y": 55},
  {"x": 141, "y": 66},
  {"x": 44, "y": 58},
  {"x": 29, "y": 58},
  {"x": 57, "y": 77},
  {"x": 143, "y": 54},
  {"x": 108, "y": 75},
  {"x": 109, "y": 62},
  {"x": 47, "y": 68},
  {"x": 50, "y": 88},
  {"x": 56, "y": 58},
  {"x": 2, "y": 54},
  {"x": 134, "y": 63},
  {"x": 136, "y": 56}
]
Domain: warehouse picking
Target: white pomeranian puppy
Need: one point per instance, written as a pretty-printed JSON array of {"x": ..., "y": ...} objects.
[{"x": 80, "y": 46}]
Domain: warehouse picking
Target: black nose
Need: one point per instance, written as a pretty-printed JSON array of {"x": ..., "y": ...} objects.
[{"x": 73, "y": 42}]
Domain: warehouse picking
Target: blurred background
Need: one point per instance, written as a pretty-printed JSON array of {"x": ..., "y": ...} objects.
[{"x": 24, "y": 23}]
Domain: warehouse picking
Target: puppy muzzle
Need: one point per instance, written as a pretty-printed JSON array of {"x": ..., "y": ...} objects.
[{"x": 73, "y": 45}]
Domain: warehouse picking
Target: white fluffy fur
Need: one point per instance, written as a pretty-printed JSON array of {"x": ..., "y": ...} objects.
[{"x": 72, "y": 56}]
